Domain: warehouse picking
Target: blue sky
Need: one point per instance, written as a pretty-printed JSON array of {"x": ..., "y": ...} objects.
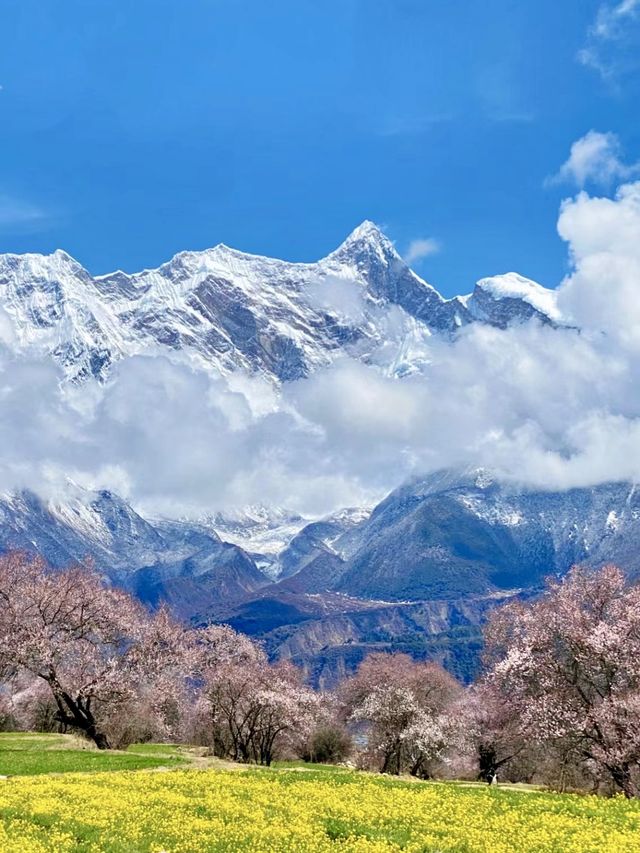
[{"x": 130, "y": 131}]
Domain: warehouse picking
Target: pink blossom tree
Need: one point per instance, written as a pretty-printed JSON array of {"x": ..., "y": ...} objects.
[
  {"x": 492, "y": 729},
  {"x": 404, "y": 708},
  {"x": 164, "y": 658},
  {"x": 89, "y": 643},
  {"x": 568, "y": 665},
  {"x": 252, "y": 705}
]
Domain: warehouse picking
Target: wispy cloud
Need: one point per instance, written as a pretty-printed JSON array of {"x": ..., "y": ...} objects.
[
  {"x": 421, "y": 247},
  {"x": 511, "y": 116},
  {"x": 499, "y": 92},
  {"x": 595, "y": 158},
  {"x": 19, "y": 213},
  {"x": 613, "y": 41},
  {"x": 410, "y": 125}
]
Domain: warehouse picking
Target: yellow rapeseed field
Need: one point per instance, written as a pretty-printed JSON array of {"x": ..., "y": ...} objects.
[{"x": 283, "y": 810}]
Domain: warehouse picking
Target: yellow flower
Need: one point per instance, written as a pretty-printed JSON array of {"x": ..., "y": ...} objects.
[{"x": 278, "y": 811}]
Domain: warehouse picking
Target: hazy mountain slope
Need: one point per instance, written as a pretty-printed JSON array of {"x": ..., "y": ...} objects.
[
  {"x": 453, "y": 534},
  {"x": 180, "y": 562},
  {"x": 418, "y": 573},
  {"x": 450, "y": 546}
]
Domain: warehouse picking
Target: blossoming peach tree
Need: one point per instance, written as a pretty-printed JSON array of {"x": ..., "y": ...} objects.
[{"x": 568, "y": 664}]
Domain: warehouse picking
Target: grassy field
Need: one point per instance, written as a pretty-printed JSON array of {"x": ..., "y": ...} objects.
[
  {"x": 24, "y": 754},
  {"x": 296, "y": 809}
]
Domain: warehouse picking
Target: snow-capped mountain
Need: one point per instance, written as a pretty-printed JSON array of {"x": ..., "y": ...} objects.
[
  {"x": 227, "y": 310},
  {"x": 459, "y": 533},
  {"x": 429, "y": 560},
  {"x": 180, "y": 562},
  {"x": 261, "y": 531},
  {"x": 504, "y": 299}
]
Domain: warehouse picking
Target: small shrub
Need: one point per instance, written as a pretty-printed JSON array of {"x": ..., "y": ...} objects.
[{"x": 329, "y": 745}]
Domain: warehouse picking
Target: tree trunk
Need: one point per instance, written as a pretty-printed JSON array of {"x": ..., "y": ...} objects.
[
  {"x": 419, "y": 769},
  {"x": 621, "y": 775},
  {"x": 99, "y": 738},
  {"x": 391, "y": 763},
  {"x": 77, "y": 714},
  {"x": 487, "y": 763}
]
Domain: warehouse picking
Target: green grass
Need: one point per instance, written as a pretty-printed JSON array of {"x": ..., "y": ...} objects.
[
  {"x": 308, "y": 765},
  {"x": 26, "y": 754},
  {"x": 157, "y": 749}
]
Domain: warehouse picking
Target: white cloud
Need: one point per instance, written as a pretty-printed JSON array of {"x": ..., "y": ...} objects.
[
  {"x": 340, "y": 296},
  {"x": 420, "y": 248},
  {"x": 550, "y": 407},
  {"x": 613, "y": 40},
  {"x": 602, "y": 293},
  {"x": 596, "y": 158}
]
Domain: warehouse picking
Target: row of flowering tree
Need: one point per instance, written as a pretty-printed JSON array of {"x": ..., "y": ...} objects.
[
  {"x": 561, "y": 684},
  {"x": 560, "y": 693},
  {"x": 101, "y": 659}
]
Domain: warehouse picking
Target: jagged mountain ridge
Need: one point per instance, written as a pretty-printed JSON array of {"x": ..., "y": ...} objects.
[
  {"x": 519, "y": 537},
  {"x": 226, "y": 310},
  {"x": 178, "y": 562},
  {"x": 446, "y": 535},
  {"x": 349, "y": 577}
]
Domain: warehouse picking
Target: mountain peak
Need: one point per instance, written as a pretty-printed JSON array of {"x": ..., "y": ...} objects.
[
  {"x": 514, "y": 286},
  {"x": 366, "y": 230},
  {"x": 37, "y": 262},
  {"x": 367, "y": 237}
]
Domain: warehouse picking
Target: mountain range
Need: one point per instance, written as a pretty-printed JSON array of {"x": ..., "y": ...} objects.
[
  {"x": 418, "y": 571},
  {"x": 229, "y": 311}
]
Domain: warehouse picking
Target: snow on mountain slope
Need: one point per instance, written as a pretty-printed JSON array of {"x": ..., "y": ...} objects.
[
  {"x": 464, "y": 532},
  {"x": 184, "y": 562},
  {"x": 426, "y": 563},
  {"x": 260, "y": 531},
  {"x": 502, "y": 300},
  {"x": 421, "y": 572},
  {"x": 54, "y": 308},
  {"x": 227, "y": 310},
  {"x": 236, "y": 310}
]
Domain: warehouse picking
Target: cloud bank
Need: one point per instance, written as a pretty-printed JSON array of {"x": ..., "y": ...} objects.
[{"x": 547, "y": 407}]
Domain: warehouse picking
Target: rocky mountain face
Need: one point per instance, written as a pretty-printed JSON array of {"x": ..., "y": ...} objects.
[
  {"x": 506, "y": 299},
  {"x": 228, "y": 311},
  {"x": 421, "y": 571},
  {"x": 177, "y": 562}
]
